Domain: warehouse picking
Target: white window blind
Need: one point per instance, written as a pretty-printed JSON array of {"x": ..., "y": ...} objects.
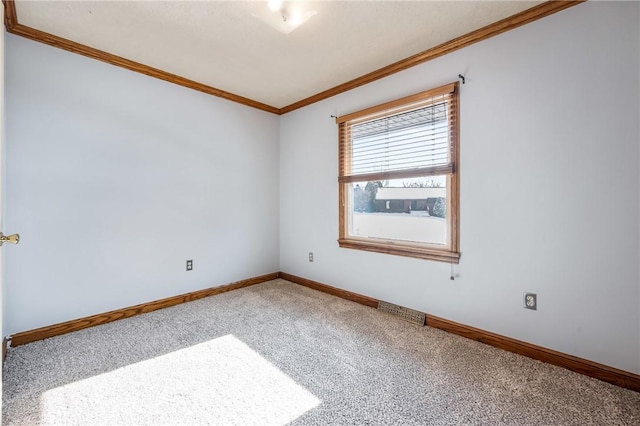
[{"x": 414, "y": 139}]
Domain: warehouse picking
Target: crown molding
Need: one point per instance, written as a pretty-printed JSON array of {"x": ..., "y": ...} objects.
[
  {"x": 13, "y": 27},
  {"x": 515, "y": 21}
]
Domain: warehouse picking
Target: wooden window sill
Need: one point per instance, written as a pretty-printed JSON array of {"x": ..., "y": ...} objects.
[{"x": 402, "y": 250}]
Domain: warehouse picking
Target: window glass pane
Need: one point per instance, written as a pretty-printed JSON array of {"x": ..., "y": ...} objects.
[{"x": 413, "y": 210}]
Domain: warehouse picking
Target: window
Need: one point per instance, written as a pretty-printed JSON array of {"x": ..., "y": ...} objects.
[{"x": 398, "y": 176}]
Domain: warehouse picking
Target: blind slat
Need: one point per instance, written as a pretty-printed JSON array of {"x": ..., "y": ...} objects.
[
  {"x": 414, "y": 136},
  {"x": 399, "y": 174},
  {"x": 399, "y": 140},
  {"x": 400, "y": 103},
  {"x": 382, "y": 149},
  {"x": 410, "y": 140}
]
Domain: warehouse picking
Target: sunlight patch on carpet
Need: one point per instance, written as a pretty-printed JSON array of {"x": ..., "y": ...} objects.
[{"x": 221, "y": 381}]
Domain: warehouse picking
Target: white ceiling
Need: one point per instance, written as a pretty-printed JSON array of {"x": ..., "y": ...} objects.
[{"x": 221, "y": 44}]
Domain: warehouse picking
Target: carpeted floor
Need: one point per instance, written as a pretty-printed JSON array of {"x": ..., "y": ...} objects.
[{"x": 278, "y": 353}]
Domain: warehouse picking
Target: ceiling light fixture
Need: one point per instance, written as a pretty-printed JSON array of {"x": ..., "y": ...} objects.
[
  {"x": 275, "y": 5},
  {"x": 284, "y": 16}
]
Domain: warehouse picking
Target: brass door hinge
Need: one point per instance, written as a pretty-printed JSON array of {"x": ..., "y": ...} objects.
[{"x": 11, "y": 239}]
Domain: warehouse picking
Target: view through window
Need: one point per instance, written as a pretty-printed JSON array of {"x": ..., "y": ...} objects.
[{"x": 398, "y": 176}]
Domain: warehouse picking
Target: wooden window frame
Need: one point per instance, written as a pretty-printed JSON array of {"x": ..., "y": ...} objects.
[{"x": 451, "y": 252}]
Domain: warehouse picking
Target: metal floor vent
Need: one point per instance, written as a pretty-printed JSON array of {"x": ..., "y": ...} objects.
[{"x": 402, "y": 312}]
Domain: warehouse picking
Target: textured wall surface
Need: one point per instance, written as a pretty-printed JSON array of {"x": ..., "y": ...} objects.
[{"x": 115, "y": 179}]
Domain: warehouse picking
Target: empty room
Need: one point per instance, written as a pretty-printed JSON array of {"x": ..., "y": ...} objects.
[{"x": 320, "y": 212}]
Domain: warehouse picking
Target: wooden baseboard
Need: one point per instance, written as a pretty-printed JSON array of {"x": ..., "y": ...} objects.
[
  {"x": 579, "y": 365},
  {"x": 344, "y": 294},
  {"x": 589, "y": 368},
  {"x": 78, "y": 324},
  {"x": 602, "y": 372}
]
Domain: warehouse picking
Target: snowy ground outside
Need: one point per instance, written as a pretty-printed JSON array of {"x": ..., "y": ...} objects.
[{"x": 416, "y": 226}]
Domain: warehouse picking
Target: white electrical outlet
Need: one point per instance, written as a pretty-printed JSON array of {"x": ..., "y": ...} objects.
[
  {"x": 531, "y": 301},
  {"x": 310, "y": 256}
]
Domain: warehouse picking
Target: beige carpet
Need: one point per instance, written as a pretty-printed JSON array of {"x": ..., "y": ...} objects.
[{"x": 278, "y": 353}]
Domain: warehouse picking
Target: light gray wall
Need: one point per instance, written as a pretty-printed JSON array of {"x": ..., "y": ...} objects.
[
  {"x": 2, "y": 135},
  {"x": 114, "y": 179},
  {"x": 549, "y": 188}
]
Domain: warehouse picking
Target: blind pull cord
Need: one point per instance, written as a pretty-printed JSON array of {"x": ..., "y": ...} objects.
[{"x": 452, "y": 277}]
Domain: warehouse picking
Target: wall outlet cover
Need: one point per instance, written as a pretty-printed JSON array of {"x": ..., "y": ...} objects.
[{"x": 531, "y": 301}]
